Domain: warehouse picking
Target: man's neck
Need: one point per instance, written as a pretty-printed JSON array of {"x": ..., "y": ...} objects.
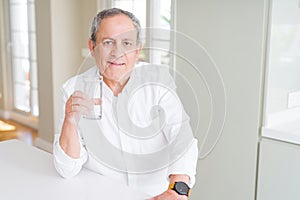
[{"x": 115, "y": 86}]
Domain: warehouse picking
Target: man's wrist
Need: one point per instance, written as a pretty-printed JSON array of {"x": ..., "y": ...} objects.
[
  {"x": 182, "y": 181},
  {"x": 180, "y": 188},
  {"x": 179, "y": 178}
]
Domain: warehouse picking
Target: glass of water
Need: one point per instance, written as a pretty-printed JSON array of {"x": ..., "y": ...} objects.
[{"x": 92, "y": 86}]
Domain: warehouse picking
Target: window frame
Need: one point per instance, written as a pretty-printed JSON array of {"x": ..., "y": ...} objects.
[{"x": 10, "y": 111}]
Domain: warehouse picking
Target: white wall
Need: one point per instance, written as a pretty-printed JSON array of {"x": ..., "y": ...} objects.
[
  {"x": 44, "y": 60},
  {"x": 233, "y": 34}
]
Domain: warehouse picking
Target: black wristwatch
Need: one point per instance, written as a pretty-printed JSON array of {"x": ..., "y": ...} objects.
[{"x": 181, "y": 188}]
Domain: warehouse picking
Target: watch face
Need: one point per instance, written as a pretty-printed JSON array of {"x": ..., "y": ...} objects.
[{"x": 181, "y": 188}]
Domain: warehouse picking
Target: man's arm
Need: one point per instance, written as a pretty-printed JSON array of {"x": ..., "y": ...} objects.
[
  {"x": 69, "y": 154},
  {"x": 69, "y": 140},
  {"x": 171, "y": 194},
  {"x": 184, "y": 169}
]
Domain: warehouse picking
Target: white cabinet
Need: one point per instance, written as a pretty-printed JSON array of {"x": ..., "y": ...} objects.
[{"x": 278, "y": 171}]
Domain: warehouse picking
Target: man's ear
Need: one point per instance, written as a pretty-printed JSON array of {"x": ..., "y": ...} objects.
[
  {"x": 91, "y": 47},
  {"x": 138, "y": 51}
]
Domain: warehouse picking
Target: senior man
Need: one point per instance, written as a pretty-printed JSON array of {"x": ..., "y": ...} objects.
[{"x": 115, "y": 45}]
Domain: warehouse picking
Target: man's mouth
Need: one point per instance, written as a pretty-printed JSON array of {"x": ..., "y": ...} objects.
[{"x": 115, "y": 63}]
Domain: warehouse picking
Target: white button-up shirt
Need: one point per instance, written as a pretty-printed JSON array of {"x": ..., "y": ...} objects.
[{"x": 143, "y": 137}]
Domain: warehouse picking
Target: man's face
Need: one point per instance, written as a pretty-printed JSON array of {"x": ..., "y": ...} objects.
[{"x": 116, "y": 49}]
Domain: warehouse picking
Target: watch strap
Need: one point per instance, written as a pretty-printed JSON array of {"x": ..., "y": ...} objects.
[{"x": 172, "y": 186}]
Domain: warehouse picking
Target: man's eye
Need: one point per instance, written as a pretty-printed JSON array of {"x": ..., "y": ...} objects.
[
  {"x": 128, "y": 44},
  {"x": 108, "y": 43}
]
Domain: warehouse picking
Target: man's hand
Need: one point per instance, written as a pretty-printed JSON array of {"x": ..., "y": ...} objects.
[
  {"x": 170, "y": 195},
  {"x": 78, "y": 104}
]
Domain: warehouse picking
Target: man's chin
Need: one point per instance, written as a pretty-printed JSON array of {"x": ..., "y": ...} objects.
[
  {"x": 113, "y": 78},
  {"x": 116, "y": 76}
]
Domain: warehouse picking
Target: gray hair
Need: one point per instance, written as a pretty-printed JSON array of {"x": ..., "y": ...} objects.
[{"x": 110, "y": 13}]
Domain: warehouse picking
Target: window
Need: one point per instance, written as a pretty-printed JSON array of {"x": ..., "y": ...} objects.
[
  {"x": 22, "y": 40},
  {"x": 283, "y": 57},
  {"x": 154, "y": 15},
  {"x": 282, "y": 105}
]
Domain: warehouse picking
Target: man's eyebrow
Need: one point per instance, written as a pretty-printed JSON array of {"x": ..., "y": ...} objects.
[
  {"x": 107, "y": 38},
  {"x": 115, "y": 39},
  {"x": 110, "y": 38},
  {"x": 128, "y": 39}
]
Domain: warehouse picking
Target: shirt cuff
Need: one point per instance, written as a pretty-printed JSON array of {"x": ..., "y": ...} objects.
[{"x": 66, "y": 165}]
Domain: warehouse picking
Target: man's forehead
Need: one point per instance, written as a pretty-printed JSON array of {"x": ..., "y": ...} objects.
[
  {"x": 130, "y": 35},
  {"x": 117, "y": 34}
]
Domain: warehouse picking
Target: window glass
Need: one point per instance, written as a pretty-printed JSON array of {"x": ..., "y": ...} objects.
[{"x": 23, "y": 55}]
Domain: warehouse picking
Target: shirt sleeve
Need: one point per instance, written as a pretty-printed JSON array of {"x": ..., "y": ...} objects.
[
  {"x": 187, "y": 164},
  {"x": 178, "y": 131},
  {"x": 65, "y": 165}
]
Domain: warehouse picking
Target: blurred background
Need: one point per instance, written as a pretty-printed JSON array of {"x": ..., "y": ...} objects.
[{"x": 253, "y": 47}]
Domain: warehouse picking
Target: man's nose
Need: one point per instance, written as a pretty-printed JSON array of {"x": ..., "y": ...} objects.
[{"x": 117, "y": 50}]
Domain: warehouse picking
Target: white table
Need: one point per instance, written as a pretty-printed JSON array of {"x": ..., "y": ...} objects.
[{"x": 27, "y": 173}]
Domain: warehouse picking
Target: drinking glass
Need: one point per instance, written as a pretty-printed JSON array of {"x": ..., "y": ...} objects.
[{"x": 92, "y": 86}]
